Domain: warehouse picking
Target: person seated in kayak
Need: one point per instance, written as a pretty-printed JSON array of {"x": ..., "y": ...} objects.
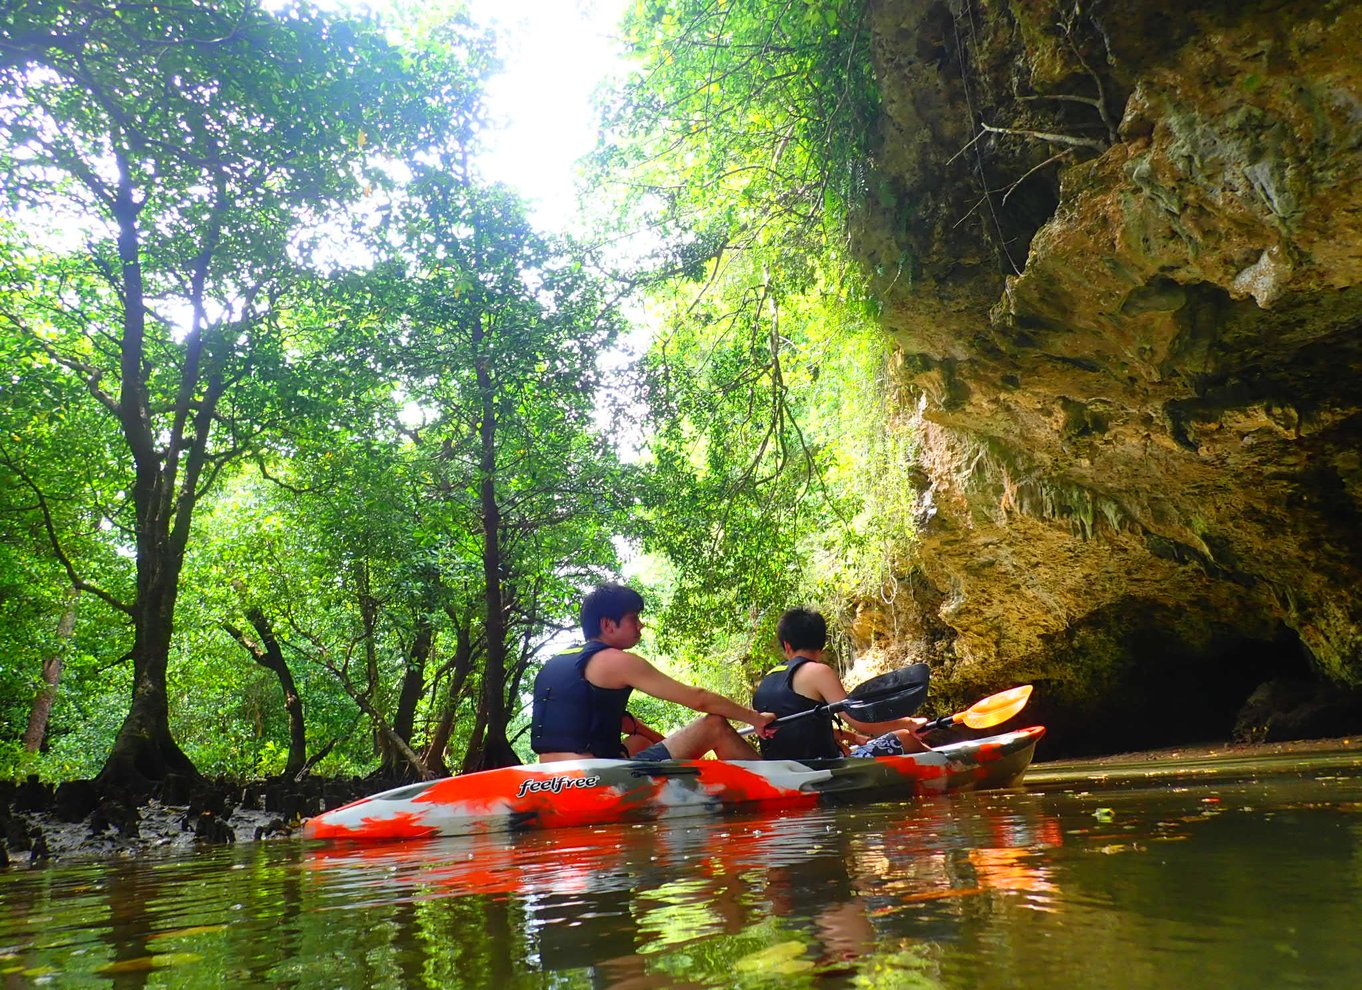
[
  {"x": 804, "y": 683},
  {"x": 581, "y": 696}
]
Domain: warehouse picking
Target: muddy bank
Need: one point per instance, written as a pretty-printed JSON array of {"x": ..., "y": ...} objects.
[{"x": 40, "y": 821}]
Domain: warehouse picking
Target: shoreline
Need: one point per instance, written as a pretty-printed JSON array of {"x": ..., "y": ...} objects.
[
  {"x": 1208, "y": 751},
  {"x": 157, "y": 828}
]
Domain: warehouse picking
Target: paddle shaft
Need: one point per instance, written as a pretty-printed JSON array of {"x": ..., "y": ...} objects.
[
  {"x": 990, "y": 711},
  {"x": 879, "y": 709}
]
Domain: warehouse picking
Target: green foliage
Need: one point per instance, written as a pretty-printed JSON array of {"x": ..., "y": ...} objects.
[
  {"x": 90, "y": 707},
  {"x": 743, "y": 138},
  {"x": 745, "y": 127},
  {"x": 16, "y": 763},
  {"x": 192, "y": 148},
  {"x": 293, "y": 313},
  {"x": 773, "y": 479},
  {"x": 256, "y": 544},
  {"x": 366, "y": 411},
  {"x": 374, "y": 529}
]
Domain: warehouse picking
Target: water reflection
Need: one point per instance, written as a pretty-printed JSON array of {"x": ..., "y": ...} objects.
[
  {"x": 1244, "y": 880},
  {"x": 814, "y": 892}
]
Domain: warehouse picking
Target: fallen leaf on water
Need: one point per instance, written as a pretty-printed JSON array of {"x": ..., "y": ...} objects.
[
  {"x": 143, "y": 963},
  {"x": 1104, "y": 815}
]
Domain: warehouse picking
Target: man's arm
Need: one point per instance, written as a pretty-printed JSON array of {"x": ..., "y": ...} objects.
[
  {"x": 630, "y": 726},
  {"x": 613, "y": 669}
]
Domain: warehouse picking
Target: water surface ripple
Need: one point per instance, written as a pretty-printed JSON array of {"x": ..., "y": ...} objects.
[{"x": 1199, "y": 873}]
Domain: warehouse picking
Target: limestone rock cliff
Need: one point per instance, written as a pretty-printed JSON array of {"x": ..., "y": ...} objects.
[{"x": 1119, "y": 247}]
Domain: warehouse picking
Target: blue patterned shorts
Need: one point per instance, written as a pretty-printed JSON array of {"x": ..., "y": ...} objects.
[{"x": 885, "y": 745}]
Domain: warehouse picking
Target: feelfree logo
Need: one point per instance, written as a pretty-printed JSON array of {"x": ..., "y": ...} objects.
[{"x": 555, "y": 785}]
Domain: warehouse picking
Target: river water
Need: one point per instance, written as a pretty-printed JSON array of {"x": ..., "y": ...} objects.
[{"x": 1171, "y": 874}]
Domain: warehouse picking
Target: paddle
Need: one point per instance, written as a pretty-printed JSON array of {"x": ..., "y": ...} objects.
[
  {"x": 896, "y": 694},
  {"x": 984, "y": 714}
]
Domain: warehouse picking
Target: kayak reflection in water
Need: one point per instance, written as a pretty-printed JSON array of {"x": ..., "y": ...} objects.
[
  {"x": 581, "y": 696},
  {"x": 805, "y": 683}
]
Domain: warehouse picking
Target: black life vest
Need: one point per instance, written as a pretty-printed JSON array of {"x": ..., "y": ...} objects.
[
  {"x": 808, "y": 738},
  {"x": 572, "y": 715}
]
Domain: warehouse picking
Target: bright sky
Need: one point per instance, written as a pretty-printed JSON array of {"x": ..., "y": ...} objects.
[{"x": 555, "y": 53}]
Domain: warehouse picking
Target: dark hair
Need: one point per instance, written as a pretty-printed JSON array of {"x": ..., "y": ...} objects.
[
  {"x": 609, "y": 601},
  {"x": 803, "y": 629}
]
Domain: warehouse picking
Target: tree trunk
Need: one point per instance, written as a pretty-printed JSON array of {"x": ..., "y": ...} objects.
[
  {"x": 144, "y": 751},
  {"x": 368, "y": 617},
  {"x": 458, "y": 677},
  {"x": 52, "y": 670},
  {"x": 472, "y": 760},
  {"x": 495, "y": 750},
  {"x": 165, "y": 490},
  {"x": 410, "y": 757},
  {"x": 267, "y": 653},
  {"x": 413, "y": 680}
]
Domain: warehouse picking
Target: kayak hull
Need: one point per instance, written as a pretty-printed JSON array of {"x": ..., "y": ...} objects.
[{"x": 590, "y": 792}]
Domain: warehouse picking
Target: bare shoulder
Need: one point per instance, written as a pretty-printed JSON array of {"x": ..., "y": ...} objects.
[
  {"x": 817, "y": 680},
  {"x": 612, "y": 668}
]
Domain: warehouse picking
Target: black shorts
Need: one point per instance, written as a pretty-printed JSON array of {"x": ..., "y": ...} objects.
[{"x": 655, "y": 753}]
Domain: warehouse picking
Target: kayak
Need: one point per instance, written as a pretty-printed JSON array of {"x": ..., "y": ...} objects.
[{"x": 593, "y": 791}]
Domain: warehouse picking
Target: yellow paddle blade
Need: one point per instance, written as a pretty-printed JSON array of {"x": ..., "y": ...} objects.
[{"x": 996, "y": 708}]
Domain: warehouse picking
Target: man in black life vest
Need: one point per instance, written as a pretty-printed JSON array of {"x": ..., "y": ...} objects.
[
  {"x": 806, "y": 682},
  {"x": 581, "y": 697}
]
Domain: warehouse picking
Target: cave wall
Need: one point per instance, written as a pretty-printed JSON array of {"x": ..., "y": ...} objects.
[{"x": 1119, "y": 249}]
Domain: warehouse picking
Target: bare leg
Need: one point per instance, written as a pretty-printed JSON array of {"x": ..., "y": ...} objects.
[
  {"x": 911, "y": 743},
  {"x": 705, "y": 734}
]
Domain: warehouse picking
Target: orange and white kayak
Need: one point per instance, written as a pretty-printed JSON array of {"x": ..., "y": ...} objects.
[{"x": 592, "y": 792}]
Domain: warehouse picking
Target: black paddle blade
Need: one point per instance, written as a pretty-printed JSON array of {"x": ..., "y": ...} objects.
[
  {"x": 885, "y": 709},
  {"x": 913, "y": 678},
  {"x": 896, "y": 694}
]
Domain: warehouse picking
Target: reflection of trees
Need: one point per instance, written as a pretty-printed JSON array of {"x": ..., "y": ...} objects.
[
  {"x": 134, "y": 896},
  {"x": 882, "y": 898},
  {"x": 462, "y": 942},
  {"x": 962, "y": 892}
]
